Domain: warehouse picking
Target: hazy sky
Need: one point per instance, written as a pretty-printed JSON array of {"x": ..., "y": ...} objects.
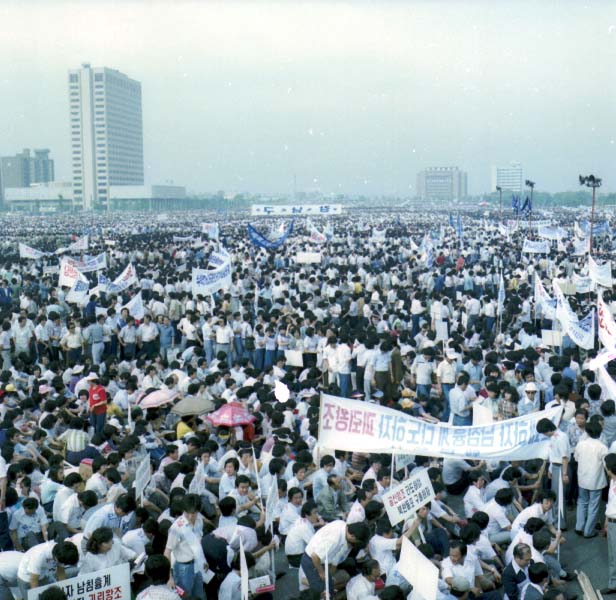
[{"x": 351, "y": 97}]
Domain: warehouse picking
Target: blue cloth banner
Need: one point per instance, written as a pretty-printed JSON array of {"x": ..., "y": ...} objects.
[{"x": 260, "y": 240}]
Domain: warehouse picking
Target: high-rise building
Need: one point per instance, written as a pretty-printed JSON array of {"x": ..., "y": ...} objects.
[
  {"x": 508, "y": 178},
  {"x": 442, "y": 183},
  {"x": 106, "y": 133},
  {"x": 23, "y": 170}
]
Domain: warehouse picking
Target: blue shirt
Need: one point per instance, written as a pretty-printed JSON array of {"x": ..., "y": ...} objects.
[{"x": 166, "y": 335}]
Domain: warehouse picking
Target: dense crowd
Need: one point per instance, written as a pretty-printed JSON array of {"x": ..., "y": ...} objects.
[{"x": 402, "y": 311}]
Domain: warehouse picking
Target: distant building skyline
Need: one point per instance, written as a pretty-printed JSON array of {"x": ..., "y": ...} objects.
[
  {"x": 510, "y": 178},
  {"x": 106, "y": 133},
  {"x": 442, "y": 183},
  {"x": 23, "y": 169}
]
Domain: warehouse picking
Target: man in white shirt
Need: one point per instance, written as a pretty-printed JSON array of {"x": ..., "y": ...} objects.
[
  {"x": 301, "y": 532},
  {"x": 361, "y": 587},
  {"x": 589, "y": 454},
  {"x": 334, "y": 541},
  {"x": 475, "y": 497}
]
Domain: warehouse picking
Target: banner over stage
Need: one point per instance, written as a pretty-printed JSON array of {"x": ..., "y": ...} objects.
[
  {"x": 353, "y": 425},
  {"x": 265, "y": 210}
]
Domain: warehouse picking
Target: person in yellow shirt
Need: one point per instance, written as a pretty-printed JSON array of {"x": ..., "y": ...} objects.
[{"x": 184, "y": 427}]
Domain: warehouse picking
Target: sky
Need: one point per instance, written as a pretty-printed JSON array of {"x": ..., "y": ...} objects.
[{"x": 339, "y": 97}]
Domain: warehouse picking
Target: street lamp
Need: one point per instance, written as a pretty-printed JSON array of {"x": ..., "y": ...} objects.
[
  {"x": 531, "y": 185},
  {"x": 592, "y": 182},
  {"x": 499, "y": 189}
]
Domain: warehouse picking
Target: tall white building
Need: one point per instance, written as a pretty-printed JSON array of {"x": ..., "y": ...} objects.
[
  {"x": 508, "y": 178},
  {"x": 106, "y": 133},
  {"x": 442, "y": 183}
]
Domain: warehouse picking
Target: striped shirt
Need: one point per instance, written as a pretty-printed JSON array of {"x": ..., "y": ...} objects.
[{"x": 75, "y": 440}]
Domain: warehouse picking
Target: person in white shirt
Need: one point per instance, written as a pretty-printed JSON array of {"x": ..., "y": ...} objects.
[
  {"x": 357, "y": 513},
  {"x": 9, "y": 566},
  {"x": 301, "y": 532},
  {"x": 158, "y": 570},
  {"x": 292, "y": 510},
  {"x": 542, "y": 509},
  {"x": 499, "y": 526},
  {"x": 589, "y": 454},
  {"x": 103, "y": 550},
  {"x": 361, "y": 587},
  {"x": 335, "y": 540},
  {"x": 44, "y": 564},
  {"x": 460, "y": 564},
  {"x": 610, "y": 524},
  {"x": 475, "y": 497}
]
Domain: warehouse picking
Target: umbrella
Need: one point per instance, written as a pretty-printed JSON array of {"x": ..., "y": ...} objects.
[
  {"x": 231, "y": 415},
  {"x": 158, "y": 398},
  {"x": 193, "y": 405}
]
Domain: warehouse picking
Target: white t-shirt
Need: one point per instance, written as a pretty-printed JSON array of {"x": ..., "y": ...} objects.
[{"x": 382, "y": 549}]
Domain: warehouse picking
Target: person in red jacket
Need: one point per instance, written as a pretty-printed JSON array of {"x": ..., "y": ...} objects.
[{"x": 97, "y": 403}]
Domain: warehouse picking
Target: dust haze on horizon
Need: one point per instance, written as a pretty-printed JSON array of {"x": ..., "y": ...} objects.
[{"x": 349, "y": 97}]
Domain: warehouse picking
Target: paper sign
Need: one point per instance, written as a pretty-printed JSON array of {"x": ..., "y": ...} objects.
[
  {"x": 294, "y": 358},
  {"x": 482, "y": 415},
  {"x": 113, "y": 582},
  {"x": 418, "y": 570},
  {"x": 402, "y": 501}
]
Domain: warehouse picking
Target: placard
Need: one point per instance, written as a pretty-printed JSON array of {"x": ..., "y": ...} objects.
[
  {"x": 418, "y": 570},
  {"x": 109, "y": 584},
  {"x": 294, "y": 358},
  {"x": 482, "y": 415},
  {"x": 551, "y": 338},
  {"x": 402, "y": 501},
  {"x": 307, "y": 258}
]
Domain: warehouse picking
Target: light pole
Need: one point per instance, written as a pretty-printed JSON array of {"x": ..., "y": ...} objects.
[
  {"x": 592, "y": 182},
  {"x": 499, "y": 189},
  {"x": 531, "y": 185}
]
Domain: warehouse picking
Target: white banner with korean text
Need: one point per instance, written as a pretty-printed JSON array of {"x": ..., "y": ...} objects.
[
  {"x": 264, "y": 210},
  {"x": 351, "y": 424}
]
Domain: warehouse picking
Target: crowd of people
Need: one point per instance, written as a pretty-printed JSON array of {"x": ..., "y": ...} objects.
[{"x": 401, "y": 311}]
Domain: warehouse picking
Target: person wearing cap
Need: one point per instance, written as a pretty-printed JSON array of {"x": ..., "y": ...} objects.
[
  {"x": 446, "y": 377},
  {"x": 529, "y": 403},
  {"x": 97, "y": 403}
]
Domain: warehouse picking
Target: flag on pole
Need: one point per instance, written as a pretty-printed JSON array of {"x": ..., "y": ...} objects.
[
  {"x": 501, "y": 295},
  {"x": 243, "y": 571}
]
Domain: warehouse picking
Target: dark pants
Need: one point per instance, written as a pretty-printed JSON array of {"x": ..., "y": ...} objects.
[
  {"x": 98, "y": 422},
  {"x": 317, "y": 585},
  {"x": 459, "y": 486}
]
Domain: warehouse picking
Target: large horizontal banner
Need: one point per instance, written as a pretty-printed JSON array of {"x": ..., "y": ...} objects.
[
  {"x": 89, "y": 263},
  {"x": 209, "y": 281},
  {"x": 534, "y": 247},
  {"x": 265, "y": 210},
  {"x": 352, "y": 424}
]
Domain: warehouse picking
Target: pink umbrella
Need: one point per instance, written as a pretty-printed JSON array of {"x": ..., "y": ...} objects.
[
  {"x": 231, "y": 415},
  {"x": 158, "y": 398}
]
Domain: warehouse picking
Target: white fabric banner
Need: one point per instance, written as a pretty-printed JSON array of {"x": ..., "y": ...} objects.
[
  {"x": 78, "y": 294},
  {"x": 209, "y": 281},
  {"x": 543, "y": 300},
  {"x": 124, "y": 280},
  {"x": 265, "y": 210},
  {"x": 536, "y": 247},
  {"x": 549, "y": 232},
  {"x": 602, "y": 359},
  {"x": 351, "y": 424},
  {"x": 601, "y": 275},
  {"x": 607, "y": 326},
  {"x": 582, "y": 332},
  {"x": 418, "y": 570},
  {"x": 212, "y": 230},
  {"x": 90, "y": 263},
  {"x": 69, "y": 275},
  {"x": 79, "y": 245},
  {"x": 583, "y": 285},
  {"x": 608, "y": 385},
  {"x": 29, "y": 252},
  {"x": 135, "y": 307},
  {"x": 581, "y": 247}
]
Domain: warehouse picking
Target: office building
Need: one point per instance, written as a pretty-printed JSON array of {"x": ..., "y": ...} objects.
[
  {"x": 25, "y": 169},
  {"x": 106, "y": 134},
  {"x": 442, "y": 183},
  {"x": 508, "y": 178}
]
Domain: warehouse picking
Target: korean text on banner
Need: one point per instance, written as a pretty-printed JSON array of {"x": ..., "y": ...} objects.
[
  {"x": 124, "y": 280},
  {"x": 209, "y": 281},
  {"x": 351, "y": 424},
  {"x": 536, "y": 247},
  {"x": 402, "y": 501},
  {"x": 69, "y": 275},
  {"x": 418, "y": 570},
  {"x": 264, "y": 210},
  {"x": 112, "y": 583},
  {"x": 29, "y": 252}
]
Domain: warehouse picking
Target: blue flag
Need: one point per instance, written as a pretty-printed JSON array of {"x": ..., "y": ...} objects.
[
  {"x": 527, "y": 207},
  {"x": 260, "y": 240},
  {"x": 515, "y": 204}
]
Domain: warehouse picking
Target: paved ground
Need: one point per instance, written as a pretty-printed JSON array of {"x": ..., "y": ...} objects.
[{"x": 589, "y": 556}]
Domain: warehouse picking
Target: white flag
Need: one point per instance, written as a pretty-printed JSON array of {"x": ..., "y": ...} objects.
[
  {"x": 243, "y": 571},
  {"x": 124, "y": 280},
  {"x": 69, "y": 275},
  {"x": 601, "y": 275},
  {"x": 135, "y": 307},
  {"x": 29, "y": 252},
  {"x": 80, "y": 244},
  {"x": 78, "y": 294}
]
